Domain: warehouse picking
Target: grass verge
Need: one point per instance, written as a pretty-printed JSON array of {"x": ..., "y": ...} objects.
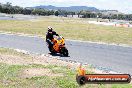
[
  {"x": 11, "y": 76},
  {"x": 70, "y": 28}
]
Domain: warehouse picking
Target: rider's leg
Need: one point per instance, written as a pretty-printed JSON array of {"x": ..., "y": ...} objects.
[{"x": 50, "y": 43}]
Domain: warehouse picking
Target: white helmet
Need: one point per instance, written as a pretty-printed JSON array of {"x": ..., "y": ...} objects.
[{"x": 49, "y": 27}]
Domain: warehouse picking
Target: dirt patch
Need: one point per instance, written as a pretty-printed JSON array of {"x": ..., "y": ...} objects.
[
  {"x": 35, "y": 59},
  {"x": 20, "y": 60},
  {"x": 33, "y": 72},
  {"x": 13, "y": 60}
]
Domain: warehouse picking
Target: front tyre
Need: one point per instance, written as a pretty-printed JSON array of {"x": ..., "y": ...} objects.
[
  {"x": 51, "y": 50},
  {"x": 81, "y": 80}
]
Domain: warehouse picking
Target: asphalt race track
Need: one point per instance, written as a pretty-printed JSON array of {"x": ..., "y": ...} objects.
[{"x": 116, "y": 58}]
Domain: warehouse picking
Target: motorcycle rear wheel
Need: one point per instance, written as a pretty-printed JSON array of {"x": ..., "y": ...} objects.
[{"x": 64, "y": 51}]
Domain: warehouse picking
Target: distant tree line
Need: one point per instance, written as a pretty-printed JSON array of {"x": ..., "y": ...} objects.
[
  {"x": 88, "y": 14},
  {"x": 9, "y": 9},
  {"x": 117, "y": 16}
]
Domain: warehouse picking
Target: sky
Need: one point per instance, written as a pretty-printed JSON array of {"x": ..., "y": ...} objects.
[{"x": 124, "y": 6}]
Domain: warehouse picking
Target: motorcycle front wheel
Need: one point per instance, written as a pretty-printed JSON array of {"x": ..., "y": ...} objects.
[{"x": 51, "y": 50}]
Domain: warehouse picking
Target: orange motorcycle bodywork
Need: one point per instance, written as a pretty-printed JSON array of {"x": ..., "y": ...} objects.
[{"x": 58, "y": 44}]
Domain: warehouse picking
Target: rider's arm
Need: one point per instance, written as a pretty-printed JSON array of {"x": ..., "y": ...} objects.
[
  {"x": 57, "y": 34},
  {"x": 54, "y": 33}
]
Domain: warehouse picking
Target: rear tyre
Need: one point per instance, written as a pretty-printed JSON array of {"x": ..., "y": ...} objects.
[{"x": 64, "y": 51}]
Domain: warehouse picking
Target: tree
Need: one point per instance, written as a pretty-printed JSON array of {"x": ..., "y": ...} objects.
[
  {"x": 0, "y": 7},
  {"x": 7, "y": 8},
  {"x": 17, "y": 9},
  {"x": 79, "y": 13},
  {"x": 120, "y": 17},
  {"x": 52, "y": 12},
  {"x": 71, "y": 13},
  {"x": 26, "y": 11},
  {"x": 56, "y": 13},
  {"x": 114, "y": 16}
]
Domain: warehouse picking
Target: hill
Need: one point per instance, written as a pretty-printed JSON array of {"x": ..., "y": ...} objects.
[{"x": 71, "y": 8}]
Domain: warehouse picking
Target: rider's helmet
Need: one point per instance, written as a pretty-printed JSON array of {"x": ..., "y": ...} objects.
[{"x": 50, "y": 29}]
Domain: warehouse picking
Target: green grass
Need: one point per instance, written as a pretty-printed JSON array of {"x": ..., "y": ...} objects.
[
  {"x": 10, "y": 76},
  {"x": 6, "y": 51},
  {"x": 70, "y": 28}
]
